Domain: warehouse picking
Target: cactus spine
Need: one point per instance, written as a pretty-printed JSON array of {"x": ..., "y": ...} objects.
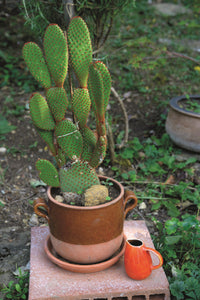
[{"x": 66, "y": 140}]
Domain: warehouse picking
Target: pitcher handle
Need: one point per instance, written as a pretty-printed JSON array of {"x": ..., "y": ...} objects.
[
  {"x": 41, "y": 203},
  {"x": 130, "y": 202},
  {"x": 159, "y": 257}
]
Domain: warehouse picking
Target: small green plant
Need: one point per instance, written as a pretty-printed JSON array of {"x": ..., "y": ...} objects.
[
  {"x": 107, "y": 182},
  {"x": 179, "y": 243},
  {"x": 19, "y": 289},
  {"x": 191, "y": 105},
  {"x": 77, "y": 149},
  {"x": 5, "y": 126},
  {"x": 152, "y": 162}
]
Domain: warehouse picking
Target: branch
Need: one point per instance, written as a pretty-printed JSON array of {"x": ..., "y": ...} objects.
[
  {"x": 69, "y": 11},
  {"x": 125, "y": 117},
  {"x": 111, "y": 143},
  {"x": 183, "y": 56}
]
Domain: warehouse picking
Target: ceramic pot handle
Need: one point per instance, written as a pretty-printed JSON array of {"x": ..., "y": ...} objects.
[
  {"x": 41, "y": 203},
  {"x": 130, "y": 202},
  {"x": 158, "y": 255}
]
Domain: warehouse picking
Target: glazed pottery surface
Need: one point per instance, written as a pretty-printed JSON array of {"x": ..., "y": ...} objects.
[
  {"x": 183, "y": 126},
  {"x": 137, "y": 259},
  {"x": 88, "y": 234}
]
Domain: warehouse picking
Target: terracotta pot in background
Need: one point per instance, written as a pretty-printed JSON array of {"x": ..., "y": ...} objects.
[
  {"x": 183, "y": 126},
  {"x": 87, "y": 234}
]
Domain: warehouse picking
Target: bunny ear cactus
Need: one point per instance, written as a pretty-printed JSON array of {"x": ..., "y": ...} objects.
[{"x": 66, "y": 140}]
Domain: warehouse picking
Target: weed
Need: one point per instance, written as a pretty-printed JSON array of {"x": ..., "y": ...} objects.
[
  {"x": 179, "y": 243},
  {"x": 107, "y": 182},
  {"x": 191, "y": 105},
  {"x": 19, "y": 289},
  {"x": 5, "y": 126},
  {"x": 155, "y": 159}
]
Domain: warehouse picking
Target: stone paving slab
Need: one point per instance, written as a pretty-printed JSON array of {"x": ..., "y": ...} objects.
[{"x": 48, "y": 281}]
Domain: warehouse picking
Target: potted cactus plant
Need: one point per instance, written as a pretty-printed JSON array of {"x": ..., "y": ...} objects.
[{"x": 93, "y": 231}]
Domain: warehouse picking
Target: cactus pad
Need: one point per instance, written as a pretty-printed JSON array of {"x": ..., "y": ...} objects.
[
  {"x": 69, "y": 138},
  {"x": 56, "y": 52},
  {"x": 99, "y": 152},
  {"x": 36, "y": 63},
  {"x": 81, "y": 106},
  {"x": 60, "y": 158},
  {"x": 40, "y": 112},
  {"x": 95, "y": 85},
  {"x": 89, "y": 143},
  {"x": 106, "y": 81},
  {"x": 48, "y": 137},
  {"x": 80, "y": 49},
  {"x": 57, "y": 101},
  {"x": 47, "y": 172},
  {"x": 77, "y": 178}
]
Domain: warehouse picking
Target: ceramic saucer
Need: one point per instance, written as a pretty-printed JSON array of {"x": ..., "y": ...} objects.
[{"x": 74, "y": 267}]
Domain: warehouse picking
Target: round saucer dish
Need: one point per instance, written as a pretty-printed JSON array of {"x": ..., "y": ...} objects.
[{"x": 80, "y": 268}]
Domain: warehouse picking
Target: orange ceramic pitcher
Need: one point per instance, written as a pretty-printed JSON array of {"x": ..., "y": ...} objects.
[{"x": 137, "y": 259}]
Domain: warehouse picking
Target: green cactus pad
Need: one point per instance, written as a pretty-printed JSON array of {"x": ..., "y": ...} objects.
[
  {"x": 95, "y": 86},
  {"x": 89, "y": 143},
  {"x": 69, "y": 138},
  {"x": 48, "y": 137},
  {"x": 40, "y": 113},
  {"x": 77, "y": 178},
  {"x": 99, "y": 152},
  {"x": 57, "y": 101},
  {"x": 81, "y": 106},
  {"x": 60, "y": 158},
  {"x": 56, "y": 52},
  {"x": 36, "y": 63},
  {"x": 48, "y": 173},
  {"x": 80, "y": 49},
  {"x": 106, "y": 81}
]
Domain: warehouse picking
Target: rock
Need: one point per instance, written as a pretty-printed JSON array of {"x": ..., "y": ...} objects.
[
  {"x": 100, "y": 171},
  {"x": 3, "y": 150},
  {"x": 193, "y": 45},
  {"x": 21, "y": 270},
  {"x": 72, "y": 198},
  {"x": 59, "y": 198},
  {"x": 34, "y": 220},
  {"x": 184, "y": 156},
  {"x": 96, "y": 195},
  {"x": 127, "y": 94},
  {"x": 141, "y": 154},
  {"x": 142, "y": 206},
  {"x": 171, "y": 10}
]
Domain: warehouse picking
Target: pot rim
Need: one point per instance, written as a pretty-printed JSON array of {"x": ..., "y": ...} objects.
[
  {"x": 174, "y": 105},
  {"x": 76, "y": 207}
]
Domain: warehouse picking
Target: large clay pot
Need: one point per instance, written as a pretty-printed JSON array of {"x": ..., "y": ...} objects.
[
  {"x": 87, "y": 234},
  {"x": 183, "y": 126}
]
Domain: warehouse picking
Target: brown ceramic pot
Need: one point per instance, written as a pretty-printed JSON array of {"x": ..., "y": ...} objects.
[
  {"x": 183, "y": 126},
  {"x": 87, "y": 234}
]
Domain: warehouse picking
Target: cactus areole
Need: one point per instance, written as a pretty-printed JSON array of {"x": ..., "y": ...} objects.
[{"x": 77, "y": 149}]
